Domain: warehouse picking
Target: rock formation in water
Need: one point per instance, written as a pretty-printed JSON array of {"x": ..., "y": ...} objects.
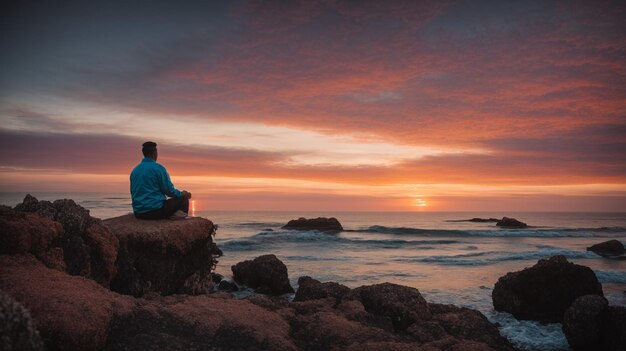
[
  {"x": 610, "y": 249},
  {"x": 544, "y": 291},
  {"x": 320, "y": 223},
  {"x": 266, "y": 274},
  {"x": 507, "y": 222}
]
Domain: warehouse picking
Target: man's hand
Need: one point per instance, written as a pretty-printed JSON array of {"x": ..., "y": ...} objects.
[{"x": 186, "y": 194}]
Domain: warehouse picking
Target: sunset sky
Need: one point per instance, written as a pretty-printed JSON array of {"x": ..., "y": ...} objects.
[{"x": 329, "y": 105}]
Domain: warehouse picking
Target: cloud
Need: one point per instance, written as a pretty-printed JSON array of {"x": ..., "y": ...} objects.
[
  {"x": 422, "y": 73},
  {"x": 547, "y": 163}
]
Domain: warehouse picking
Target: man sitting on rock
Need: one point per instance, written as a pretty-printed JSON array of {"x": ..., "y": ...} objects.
[{"x": 150, "y": 185}]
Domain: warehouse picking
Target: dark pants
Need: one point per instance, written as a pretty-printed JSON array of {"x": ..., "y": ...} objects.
[{"x": 170, "y": 206}]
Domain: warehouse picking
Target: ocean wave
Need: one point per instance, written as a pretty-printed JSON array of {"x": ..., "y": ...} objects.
[
  {"x": 491, "y": 257},
  {"x": 616, "y": 277},
  {"x": 319, "y": 258},
  {"x": 265, "y": 238},
  {"x": 496, "y": 232},
  {"x": 256, "y": 224}
]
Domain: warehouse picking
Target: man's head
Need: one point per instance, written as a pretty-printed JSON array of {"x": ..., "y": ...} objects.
[{"x": 149, "y": 150}]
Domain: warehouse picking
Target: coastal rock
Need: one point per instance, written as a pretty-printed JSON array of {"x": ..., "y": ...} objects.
[
  {"x": 320, "y": 223},
  {"x": 544, "y": 291},
  {"x": 467, "y": 324},
  {"x": 583, "y": 322},
  {"x": 483, "y": 220},
  {"x": 161, "y": 255},
  {"x": 74, "y": 218},
  {"x": 326, "y": 330},
  {"x": 83, "y": 246},
  {"x": 264, "y": 274},
  {"x": 311, "y": 289},
  {"x": 209, "y": 322},
  {"x": 103, "y": 248},
  {"x": 17, "y": 330},
  {"x": 591, "y": 324},
  {"x": 71, "y": 312},
  {"x": 22, "y": 233},
  {"x": 614, "y": 336},
  {"x": 403, "y": 305},
  {"x": 507, "y": 222},
  {"x": 43, "y": 209},
  {"x": 608, "y": 248}
]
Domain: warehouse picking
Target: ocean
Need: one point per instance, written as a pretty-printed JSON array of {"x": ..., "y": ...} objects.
[{"x": 447, "y": 259}]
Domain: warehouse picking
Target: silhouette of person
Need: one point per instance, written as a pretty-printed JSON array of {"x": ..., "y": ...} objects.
[{"x": 150, "y": 187}]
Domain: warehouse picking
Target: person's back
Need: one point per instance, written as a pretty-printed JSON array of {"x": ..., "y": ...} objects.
[{"x": 150, "y": 184}]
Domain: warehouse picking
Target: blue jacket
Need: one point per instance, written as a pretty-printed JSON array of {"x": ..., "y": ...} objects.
[{"x": 149, "y": 185}]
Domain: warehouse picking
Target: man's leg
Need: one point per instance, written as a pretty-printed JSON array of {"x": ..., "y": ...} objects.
[
  {"x": 170, "y": 206},
  {"x": 174, "y": 204}
]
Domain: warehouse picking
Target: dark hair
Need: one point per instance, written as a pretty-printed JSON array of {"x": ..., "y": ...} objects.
[{"x": 148, "y": 148}]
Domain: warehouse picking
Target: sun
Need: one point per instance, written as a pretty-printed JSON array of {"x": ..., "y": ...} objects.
[{"x": 420, "y": 202}]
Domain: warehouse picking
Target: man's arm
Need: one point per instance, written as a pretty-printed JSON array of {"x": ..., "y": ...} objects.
[{"x": 165, "y": 183}]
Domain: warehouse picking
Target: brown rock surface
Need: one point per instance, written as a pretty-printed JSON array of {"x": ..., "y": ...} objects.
[
  {"x": 403, "y": 305},
  {"x": 83, "y": 246},
  {"x": 70, "y": 312},
  {"x": 544, "y": 291},
  {"x": 205, "y": 322},
  {"x": 162, "y": 255},
  {"x": 22, "y": 233},
  {"x": 17, "y": 330},
  {"x": 311, "y": 289}
]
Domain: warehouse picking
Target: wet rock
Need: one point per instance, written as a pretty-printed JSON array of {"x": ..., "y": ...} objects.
[
  {"x": 320, "y": 223},
  {"x": 17, "y": 330},
  {"x": 583, "y": 322},
  {"x": 401, "y": 304},
  {"x": 265, "y": 274},
  {"x": 544, "y": 291},
  {"x": 507, "y": 222},
  {"x": 311, "y": 289},
  {"x": 71, "y": 312},
  {"x": 227, "y": 286},
  {"x": 483, "y": 220},
  {"x": 608, "y": 248},
  {"x": 161, "y": 255}
]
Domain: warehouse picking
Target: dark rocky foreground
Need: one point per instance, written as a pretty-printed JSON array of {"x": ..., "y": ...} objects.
[
  {"x": 75, "y": 282},
  {"x": 544, "y": 291}
]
